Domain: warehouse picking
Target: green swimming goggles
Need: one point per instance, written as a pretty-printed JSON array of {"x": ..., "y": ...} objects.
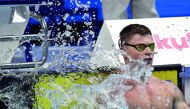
[{"x": 141, "y": 47}]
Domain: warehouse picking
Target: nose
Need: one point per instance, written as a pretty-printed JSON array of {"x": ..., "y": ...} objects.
[{"x": 147, "y": 51}]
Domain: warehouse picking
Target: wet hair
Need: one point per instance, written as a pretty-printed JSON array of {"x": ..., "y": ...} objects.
[{"x": 130, "y": 30}]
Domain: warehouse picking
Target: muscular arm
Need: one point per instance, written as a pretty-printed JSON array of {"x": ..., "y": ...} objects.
[{"x": 179, "y": 100}]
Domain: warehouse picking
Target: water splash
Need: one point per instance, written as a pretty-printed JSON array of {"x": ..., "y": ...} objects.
[
  {"x": 99, "y": 93},
  {"x": 106, "y": 93},
  {"x": 16, "y": 90},
  {"x": 137, "y": 70}
]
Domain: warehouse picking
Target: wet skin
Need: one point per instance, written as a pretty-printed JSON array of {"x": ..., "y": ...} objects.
[{"x": 155, "y": 93}]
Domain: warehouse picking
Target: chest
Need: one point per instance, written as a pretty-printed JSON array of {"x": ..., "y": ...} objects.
[{"x": 149, "y": 97}]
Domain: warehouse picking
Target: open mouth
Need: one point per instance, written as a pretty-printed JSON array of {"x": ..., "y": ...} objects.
[{"x": 148, "y": 61}]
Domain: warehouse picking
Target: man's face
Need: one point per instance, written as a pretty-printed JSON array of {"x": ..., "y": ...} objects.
[{"x": 146, "y": 54}]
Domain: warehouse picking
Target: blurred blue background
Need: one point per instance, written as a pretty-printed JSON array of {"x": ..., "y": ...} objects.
[{"x": 173, "y": 8}]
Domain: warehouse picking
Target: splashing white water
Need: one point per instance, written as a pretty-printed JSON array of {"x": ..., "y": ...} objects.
[{"x": 108, "y": 94}]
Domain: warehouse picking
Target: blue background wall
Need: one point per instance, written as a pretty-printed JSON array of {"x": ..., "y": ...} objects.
[{"x": 173, "y": 8}]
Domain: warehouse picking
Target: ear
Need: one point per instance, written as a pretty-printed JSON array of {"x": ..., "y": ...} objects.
[
  {"x": 123, "y": 51},
  {"x": 122, "y": 47}
]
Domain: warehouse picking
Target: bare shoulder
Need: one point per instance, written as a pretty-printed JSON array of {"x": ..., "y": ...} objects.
[
  {"x": 171, "y": 89},
  {"x": 165, "y": 84}
]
